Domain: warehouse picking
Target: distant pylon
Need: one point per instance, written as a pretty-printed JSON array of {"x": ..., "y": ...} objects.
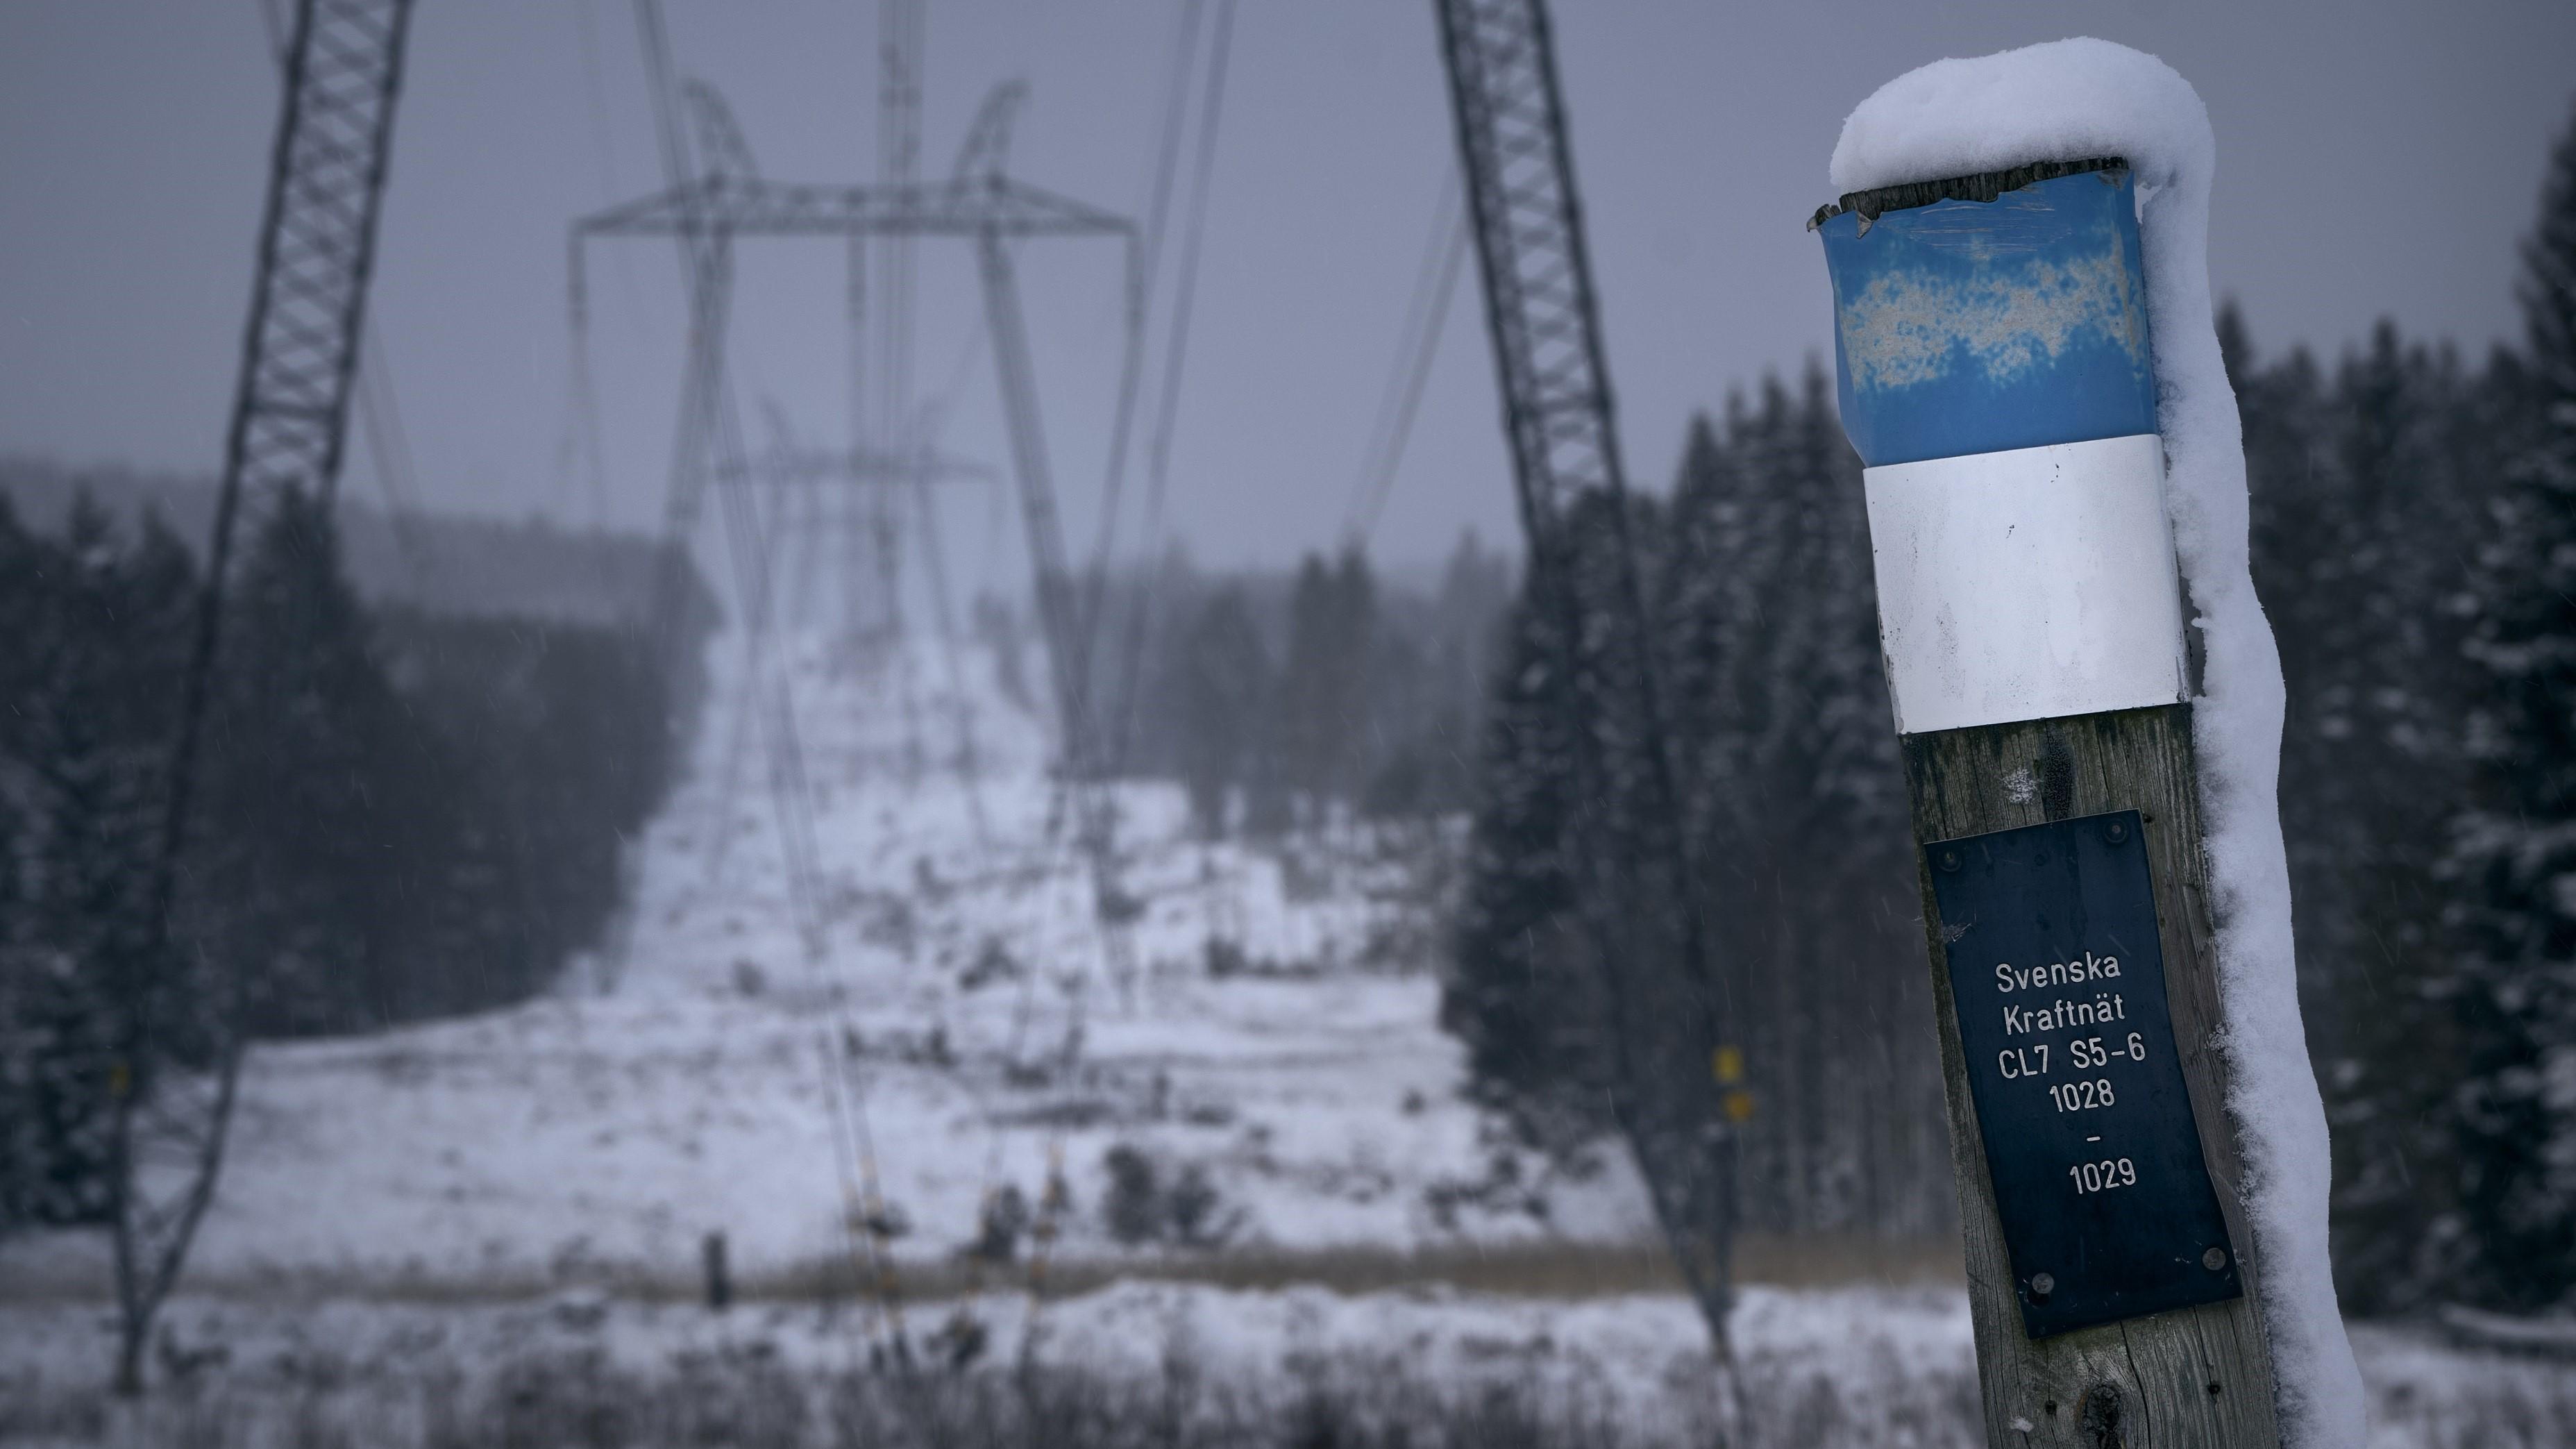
[{"x": 981, "y": 202}]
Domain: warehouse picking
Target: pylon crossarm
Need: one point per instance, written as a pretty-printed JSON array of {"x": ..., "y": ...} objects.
[{"x": 752, "y": 207}]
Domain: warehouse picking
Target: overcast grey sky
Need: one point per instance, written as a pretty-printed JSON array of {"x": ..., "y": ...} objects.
[{"x": 2376, "y": 158}]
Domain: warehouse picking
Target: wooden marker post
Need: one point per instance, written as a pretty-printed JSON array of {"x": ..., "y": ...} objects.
[
  {"x": 1997, "y": 377},
  {"x": 711, "y": 1255}
]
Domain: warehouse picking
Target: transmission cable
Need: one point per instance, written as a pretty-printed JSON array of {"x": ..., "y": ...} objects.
[
  {"x": 702, "y": 262},
  {"x": 1176, "y": 348},
  {"x": 1176, "y": 89},
  {"x": 1426, "y": 319},
  {"x": 1055, "y": 1199}
]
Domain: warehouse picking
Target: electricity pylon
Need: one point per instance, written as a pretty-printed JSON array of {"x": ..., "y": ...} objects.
[
  {"x": 897, "y": 431},
  {"x": 727, "y": 201},
  {"x": 1637, "y": 885},
  {"x": 343, "y": 68}
]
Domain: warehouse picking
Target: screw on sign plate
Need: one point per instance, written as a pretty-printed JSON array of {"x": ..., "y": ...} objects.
[
  {"x": 2041, "y": 1285},
  {"x": 2214, "y": 1259}
]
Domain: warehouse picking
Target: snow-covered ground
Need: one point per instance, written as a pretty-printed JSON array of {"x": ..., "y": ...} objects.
[
  {"x": 601, "y": 1133},
  {"x": 1818, "y": 1367},
  {"x": 1886, "y": 1358}
]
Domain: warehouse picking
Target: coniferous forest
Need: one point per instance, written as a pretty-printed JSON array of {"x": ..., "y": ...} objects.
[
  {"x": 401, "y": 815},
  {"x": 2414, "y": 541}
]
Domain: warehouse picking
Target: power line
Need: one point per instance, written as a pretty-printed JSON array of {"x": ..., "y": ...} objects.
[
  {"x": 710, "y": 422},
  {"x": 1176, "y": 89},
  {"x": 1425, "y": 321},
  {"x": 1054, "y": 1198},
  {"x": 1184, "y": 302},
  {"x": 1175, "y": 352}
]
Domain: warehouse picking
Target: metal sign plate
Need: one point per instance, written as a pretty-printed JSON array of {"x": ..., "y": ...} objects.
[{"x": 2058, "y": 981}]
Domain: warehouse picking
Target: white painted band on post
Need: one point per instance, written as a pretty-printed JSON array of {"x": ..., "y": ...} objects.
[{"x": 2030, "y": 584}]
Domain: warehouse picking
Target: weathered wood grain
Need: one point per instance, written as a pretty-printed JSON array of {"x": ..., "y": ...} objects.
[{"x": 2200, "y": 1377}]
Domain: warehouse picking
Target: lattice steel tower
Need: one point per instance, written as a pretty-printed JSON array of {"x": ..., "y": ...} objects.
[
  {"x": 343, "y": 63},
  {"x": 317, "y": 247},
  {"x": 1637, "y": 885}
]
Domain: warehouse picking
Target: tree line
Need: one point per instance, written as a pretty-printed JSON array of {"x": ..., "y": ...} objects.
[
  {"x": 2414, "y": 542},
  {"x": 1757, "y": 579},
  {"x": 1286, "y": 701},
  {"x": 399, "y": 815}
]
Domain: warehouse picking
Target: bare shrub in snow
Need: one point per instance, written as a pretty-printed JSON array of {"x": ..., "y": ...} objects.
[{"x": 1147, "y": 1204}]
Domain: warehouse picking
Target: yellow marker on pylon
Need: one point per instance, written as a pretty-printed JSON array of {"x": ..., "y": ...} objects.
[{"x": 1726, "y": 1064}]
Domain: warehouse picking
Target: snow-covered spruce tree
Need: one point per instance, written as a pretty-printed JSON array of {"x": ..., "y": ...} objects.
[
  {"x": 22, "y": 1037},
  {"x": 1323, "y": 708},
  {"x": 1430, "y": 662},
  {"x": 1521, "y": 991},
  {"x": 57, "y": 1031},
  {"x": 1465, "y": 631},
  {"x": 95, "y": 624},
  {"x": 1882, "y": 1142},
  {"x": 1708, "y": 588},
  {"x": 1765, "y": 626},
  {"x": 1220, "y": 683},
  {"x": 1573, "y": 985},
  {"x": 2515, "y": 997},
  {"x": 303, "y": 746},
  {"x": 1739, "y": 604},
  {"x": 106, "y": 1023},
  {"x": 2369, "y": 493},
  {"x": 521, "y": 753},
  {"x": 1770, "y": 630}
]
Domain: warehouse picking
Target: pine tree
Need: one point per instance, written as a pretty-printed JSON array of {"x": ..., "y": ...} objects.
[{"x": 2515, "y": 1001}]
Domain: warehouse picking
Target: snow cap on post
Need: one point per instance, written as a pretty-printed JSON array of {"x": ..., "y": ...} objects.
[{"x": 2076, "y": 100}]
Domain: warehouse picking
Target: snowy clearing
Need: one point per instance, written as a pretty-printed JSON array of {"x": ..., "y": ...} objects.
[{"x": 600, "y": 1134}]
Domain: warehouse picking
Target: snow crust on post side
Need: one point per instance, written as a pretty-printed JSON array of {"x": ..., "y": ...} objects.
[{"x": 2072, "y": 100}]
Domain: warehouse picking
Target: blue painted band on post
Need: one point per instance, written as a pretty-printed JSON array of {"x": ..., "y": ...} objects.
[{"x": 1976, "y": 327}]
